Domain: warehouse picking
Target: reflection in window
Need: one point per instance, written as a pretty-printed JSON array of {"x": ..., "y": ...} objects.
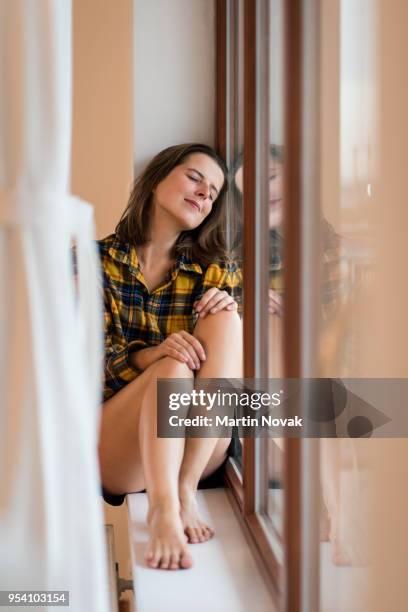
[
  {"x": 275, "y": 447},
  {"x": 349, "y": 169}
]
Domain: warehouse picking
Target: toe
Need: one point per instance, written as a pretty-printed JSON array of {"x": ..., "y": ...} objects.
[
  {"x": 209, "y": 533},
  {"x": 174, "y": 561},
  {"x": 195, "y": 535},
  {"x": 186, "y": 561},
  {"x": 153, "y": 557},
  {"x": 187, "y": 533},
  {"x": 191, "y": 536},
  {"x": 153, "y": 561},
  {"x": 165, "y": 560},
  {"x": 206, "y": 533},
  {"x": 201, "y": 534}
]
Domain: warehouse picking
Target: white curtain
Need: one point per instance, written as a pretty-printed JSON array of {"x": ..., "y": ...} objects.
[{"x": 51, "y": 521}]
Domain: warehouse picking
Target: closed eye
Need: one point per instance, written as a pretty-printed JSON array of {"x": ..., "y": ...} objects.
[{"x": 198, "y": 180}]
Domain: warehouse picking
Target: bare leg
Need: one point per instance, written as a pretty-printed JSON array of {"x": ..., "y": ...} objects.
[
  {"x": 132, "y": 458},
  {"x": 221, "y": 337},
  {"x": 330, "y": 472}
]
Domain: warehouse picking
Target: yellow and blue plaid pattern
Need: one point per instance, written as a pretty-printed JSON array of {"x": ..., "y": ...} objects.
[
  {"x": 136, "y": 318},
  {"x": 333, "y": 272}
]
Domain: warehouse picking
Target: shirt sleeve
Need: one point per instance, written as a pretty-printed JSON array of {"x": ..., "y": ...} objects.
[
  {"x": 226, "y": 277},
  {"x": 118, "y": 369},
  {"x": 334, "y": 282}
]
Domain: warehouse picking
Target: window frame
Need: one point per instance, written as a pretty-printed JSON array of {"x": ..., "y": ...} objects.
[{"x": 245, "y": 487}]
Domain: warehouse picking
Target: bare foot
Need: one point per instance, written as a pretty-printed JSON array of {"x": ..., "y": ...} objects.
[
  {"x": 324, "y": 527},
  {"x": 167, "y": 546},
  {"x": 340, "y": 556},
  {"x": 194, "y": 528},
  {"x": 352, "y": 555}
]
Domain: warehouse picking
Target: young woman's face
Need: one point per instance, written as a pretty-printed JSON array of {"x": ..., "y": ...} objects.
[
  {"x": 188, "y": 192},
  {"x": 275, "y": 191}
]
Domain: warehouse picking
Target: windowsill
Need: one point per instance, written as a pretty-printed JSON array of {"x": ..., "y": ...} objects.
[
  {"x": 224, "y": 577},
  {"x": 342, "y": 587}
]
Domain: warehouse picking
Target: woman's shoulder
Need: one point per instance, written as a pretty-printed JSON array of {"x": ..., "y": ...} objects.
[
  {"x": 223, "y": 272},
  {"x": 105, "y": 244},
  {"x": 117, "y": 259},
  {"x": 112, "y": 249},
  {"x": 222, "y": 266}
]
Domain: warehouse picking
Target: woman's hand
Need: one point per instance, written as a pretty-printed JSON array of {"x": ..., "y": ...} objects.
[
  {"x": 213, "y": 301},
  {"x": 275, "y": 303},
  {"x": 184, "y": 347},
  {"x": 180, "y": 345}
]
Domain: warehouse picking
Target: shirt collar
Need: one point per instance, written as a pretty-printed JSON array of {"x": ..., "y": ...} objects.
[
  {"x": 126, "y": 254},
  {"x": 188, "y": 265}
]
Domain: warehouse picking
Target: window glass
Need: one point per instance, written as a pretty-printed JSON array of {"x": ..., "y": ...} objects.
[
  {"x": 276, "y": 210},
  {"x": 236, "y": 141},
  {"x": 349, "y": 167}
]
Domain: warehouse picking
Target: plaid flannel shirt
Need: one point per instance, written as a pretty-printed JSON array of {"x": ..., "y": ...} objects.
[
  {"x": 333, "y": 272},
  {"x": 136, "y": 318}
]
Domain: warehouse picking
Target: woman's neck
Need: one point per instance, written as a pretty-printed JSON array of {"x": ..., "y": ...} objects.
[
  {"x": 154, "y": 252},
  {"x": 155, "y": 258},
  {"x": 160, "y": 246}
]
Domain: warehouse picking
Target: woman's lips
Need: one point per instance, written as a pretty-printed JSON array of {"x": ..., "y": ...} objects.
[{"x": 193, "y": 203}]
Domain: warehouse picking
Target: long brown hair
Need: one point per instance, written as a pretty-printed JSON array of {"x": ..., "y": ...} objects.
[{"x": 204, "y": 244}]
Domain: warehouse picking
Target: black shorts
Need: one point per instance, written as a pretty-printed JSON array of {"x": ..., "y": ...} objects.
[{"x": 211, "y": 482}]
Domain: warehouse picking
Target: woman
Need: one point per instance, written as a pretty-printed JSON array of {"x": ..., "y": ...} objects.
[
  {"x": 332, "y": 307},
  {"x": 169, "y": 313},
  {"x": 332, "y": 282}
]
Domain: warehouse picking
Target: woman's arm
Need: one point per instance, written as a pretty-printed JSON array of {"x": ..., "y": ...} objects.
[
  {"x": 180, "y": 345},
  {"x": 145, "y": 357},
  {"x": 275, "y": 303}
]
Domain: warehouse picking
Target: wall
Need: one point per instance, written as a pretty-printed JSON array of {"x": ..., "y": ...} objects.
[
  {"x": 102, "y": 146},
  {"x": 174, "y": 75},
  {"x": 144, "y": 75}
]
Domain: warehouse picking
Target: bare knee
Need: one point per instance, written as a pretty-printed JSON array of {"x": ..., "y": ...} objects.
[
  {"x": 225, "y": 322},
  {"x": 167, "y": 367},
  {"x": 220, "y": 329},
  {"x": 221, "y": 337}
]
